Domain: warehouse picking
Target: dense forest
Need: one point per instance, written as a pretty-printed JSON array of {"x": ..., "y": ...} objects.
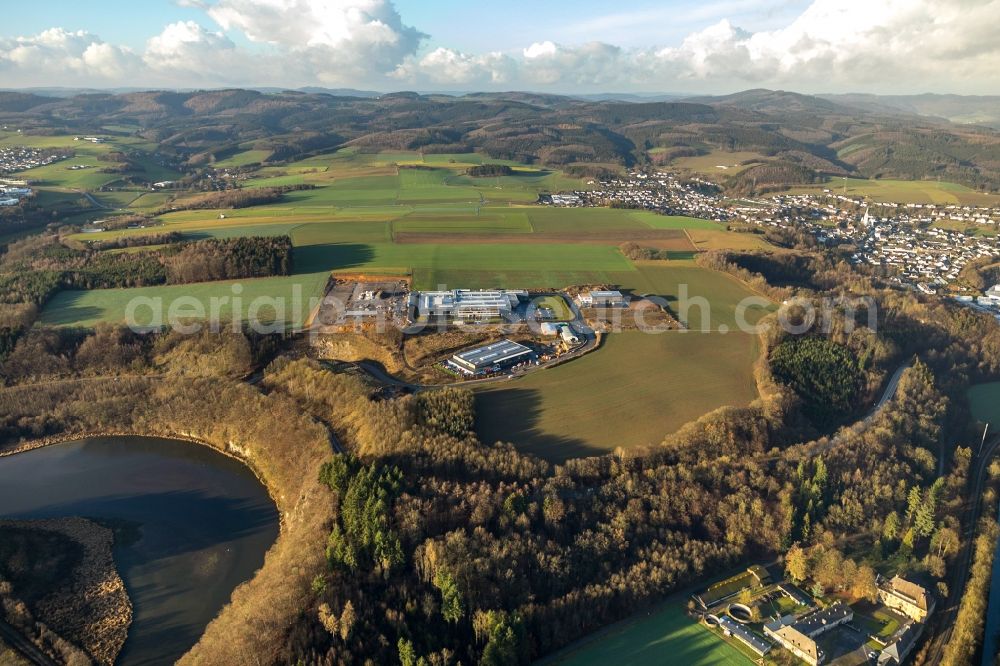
[
  {"x": 235, "y": 198},
  {"x": 825, "y": 375},
  {"x": 486, "y": 170}
]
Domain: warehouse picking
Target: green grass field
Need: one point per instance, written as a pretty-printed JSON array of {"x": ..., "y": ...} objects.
[
  {"x": 560, "y": 309},
  {"x": 676, "y": 222},
  {"x": 472, "y": 265},
  {"x": 443, "y": 227},
  {"x": 638, "y": 387},
  {"x": 905, "y": 191},
  {"x": 634, "y": 391},
  {"x": 87, "y": 308},
  {"x": 243, "y": 158},
  {"x": 663, "y": 636},
  {"x": 710, "y": 164},
  {"x": 984, "y": 400}
]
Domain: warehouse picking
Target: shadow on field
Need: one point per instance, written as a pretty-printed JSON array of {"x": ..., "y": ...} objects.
[
  {"x": 64, "y": 313},
  {"x": 331, "y": 256},
  {"x": 513, "y": 415}
]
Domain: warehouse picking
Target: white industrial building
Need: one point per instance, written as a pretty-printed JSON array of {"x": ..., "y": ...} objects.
[
  {"x": 602, "y": 299},
  {"x": 992, "y": 296},
  {"x": 468, "y": 304}
]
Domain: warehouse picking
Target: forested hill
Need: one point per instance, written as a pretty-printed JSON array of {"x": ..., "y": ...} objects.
[{"x": 806, "y": 136}]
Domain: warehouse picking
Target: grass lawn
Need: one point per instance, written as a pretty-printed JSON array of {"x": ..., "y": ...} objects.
[
  {"x": 718, "y": 162},
  {"x": 486, "y": 221},
  {"x": 985, "y": 403},
  {"x": 545, "y": 219},
  {"x": 720, "y": 239},
  {"x": 877, "y": 622},
  {"x": 526, "y": 266},
  {"x": 713, "y": 298},
  {"x": 638, "y": 387},
  {"x": 634, "y": 391},
  {"x": 663, "y": 636},
  {"x": 677, "y": 222},
  {"x": 87, "y": 308},
  {"x": 557, "y": 304},
  {"x": 243, "y": 158},
  {"x": 971, "y": 228},
  {"x": 906, "y": 191}
]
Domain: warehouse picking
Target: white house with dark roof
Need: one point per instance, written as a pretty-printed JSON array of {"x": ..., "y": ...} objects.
[{"x": 906, "y": 597}]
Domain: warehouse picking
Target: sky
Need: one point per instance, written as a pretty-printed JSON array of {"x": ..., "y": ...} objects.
[{"x": 579, "y": 46}]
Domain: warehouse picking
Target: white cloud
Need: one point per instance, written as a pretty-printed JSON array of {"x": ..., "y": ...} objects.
[
  {"x": 340, "y": 40},
  {"x": 81, "y": 55},
  {"x": 186, "y": 48},
  {"x": 448, "y": 67},
  {"x": 833, "y": 45},
  {"x": 540, "y": 50},
  {"x": 591, "y": 64},
  {"x": 846, "y": 44}
]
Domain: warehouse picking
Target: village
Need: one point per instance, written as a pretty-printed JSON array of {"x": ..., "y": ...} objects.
[
  {"x": 922, "y": 246},
  {"x": 20, "y": 158}
]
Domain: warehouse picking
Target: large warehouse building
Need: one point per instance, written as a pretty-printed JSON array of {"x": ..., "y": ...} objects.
[
  {"x": 468, "y": 304},
  {"x": 496, "y": 356}
]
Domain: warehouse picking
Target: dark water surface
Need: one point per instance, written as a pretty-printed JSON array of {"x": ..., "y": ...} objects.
[{"x": 203, "y": 524}]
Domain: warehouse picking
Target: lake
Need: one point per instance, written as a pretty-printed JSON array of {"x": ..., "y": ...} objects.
[
  {"x": 204, "y": 523},
  {"x": 984, "y": 399}
]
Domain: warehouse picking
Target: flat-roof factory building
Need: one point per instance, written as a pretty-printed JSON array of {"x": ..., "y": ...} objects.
[
  {"x": 468, "y": 304},
  {"x": 498, "y": 355},
  {"x": 602, "y": 299}
]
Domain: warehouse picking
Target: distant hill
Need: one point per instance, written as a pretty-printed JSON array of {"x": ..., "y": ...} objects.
[
  {"x": 632, "y": 97},
  {"x": 962, "y": 109},
  {"x": 796, "y": 138},
  {"x": 774, "y": 102}
]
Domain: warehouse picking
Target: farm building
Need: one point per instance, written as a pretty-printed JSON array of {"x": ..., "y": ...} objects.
[
  {"x": 467, "y": 304},
  {"x": 796, "y": 642},
  {"x": 900, "y": 644},
  {"x": 732, "y": 628},
  {"x": 908, "y": 598},
  {"x": 798, "y": 635},
  {"x": 498, "y": 355},
  {"x": 602, "y": 299}
]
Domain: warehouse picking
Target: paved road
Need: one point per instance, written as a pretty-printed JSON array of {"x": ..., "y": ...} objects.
[
  {"x": 890, "y": 388},
  {"x": 98, "y": 204}
]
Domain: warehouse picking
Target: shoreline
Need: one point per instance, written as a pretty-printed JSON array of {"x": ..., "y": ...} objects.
[
  {"x": 94, "y": 612},
  {"x": 231, "y": 451}
]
